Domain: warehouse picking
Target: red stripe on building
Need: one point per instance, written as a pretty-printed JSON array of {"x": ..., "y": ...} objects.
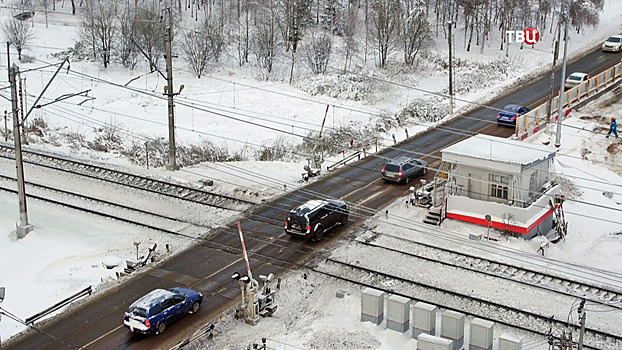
[{"x": 500, "y": 225}]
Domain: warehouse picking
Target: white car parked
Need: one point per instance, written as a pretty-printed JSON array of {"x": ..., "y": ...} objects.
[
  {"x": 614, "y": 43},
  {"x": 575, "y": 79}
]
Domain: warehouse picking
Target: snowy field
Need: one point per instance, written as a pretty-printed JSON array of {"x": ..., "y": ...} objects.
[{"x": 65, "y": 251}]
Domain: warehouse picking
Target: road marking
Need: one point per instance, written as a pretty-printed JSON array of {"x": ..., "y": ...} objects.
[
  {"x": 375, "y": 182},
  {"x": 101, "y": 337},
  {"x": 219, "y": 271},
  {"x": 370, "y": 198}
]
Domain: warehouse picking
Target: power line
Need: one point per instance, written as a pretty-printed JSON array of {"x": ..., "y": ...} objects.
[
  {"x": 22, "y": 322},
  {"x": 192, "y": 105},
  {"x": 490, "y": 182},
  {"x": 230, "y": 117}
]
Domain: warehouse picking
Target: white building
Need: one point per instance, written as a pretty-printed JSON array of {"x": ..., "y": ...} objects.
[{"x": 503, "y": 178}]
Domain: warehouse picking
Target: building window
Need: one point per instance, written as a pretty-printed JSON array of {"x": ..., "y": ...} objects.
[{"x": 499, "y": 186}]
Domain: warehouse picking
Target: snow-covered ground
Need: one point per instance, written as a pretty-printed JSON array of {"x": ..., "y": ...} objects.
[
  {"x": 65, "y": 251},
  {"x": 594, "y": 240}
]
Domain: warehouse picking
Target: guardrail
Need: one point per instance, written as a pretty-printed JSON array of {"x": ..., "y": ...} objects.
[
  {"x": 344, "y": 161},
  {"x": 532, "y": 122},
  {"x": 60, "y": 304}
]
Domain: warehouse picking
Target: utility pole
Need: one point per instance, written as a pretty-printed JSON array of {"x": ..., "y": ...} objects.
[
  {"x": 168, "y": 91},
  {"x": 581, "y": 312},
  {"x": 562, "y": 95},
  {"x": 23, "y": 227},
  {"x": 451, "y": 89},
  {"x": 550, "y": 106}
]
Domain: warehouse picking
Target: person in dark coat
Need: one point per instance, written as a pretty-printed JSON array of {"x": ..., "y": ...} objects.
[{"x": 613, "y": 128}]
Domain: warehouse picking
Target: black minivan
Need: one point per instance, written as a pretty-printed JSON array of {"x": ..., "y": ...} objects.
[{"x": 314, "y": 217}]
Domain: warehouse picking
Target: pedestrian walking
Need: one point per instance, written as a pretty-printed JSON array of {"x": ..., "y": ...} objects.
[{"x": 613, "y": 128}]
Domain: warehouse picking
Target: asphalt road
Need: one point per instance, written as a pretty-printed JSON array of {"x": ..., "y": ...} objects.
[{"x": 207, "y": 267}]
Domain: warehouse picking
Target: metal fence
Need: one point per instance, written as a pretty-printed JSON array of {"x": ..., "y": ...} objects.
[{"x": 532, "y": 122}]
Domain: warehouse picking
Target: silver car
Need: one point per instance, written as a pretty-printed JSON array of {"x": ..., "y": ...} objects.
[
  {"x": 576, "y": 79},
  {"x": 614, "y": 43},
  {"x": 404, "y": 169}
]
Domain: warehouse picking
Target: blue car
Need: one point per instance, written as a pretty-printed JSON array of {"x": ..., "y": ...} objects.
[
  {"x": 156, "y": 310},
  {"x": 509, "y": 114}
]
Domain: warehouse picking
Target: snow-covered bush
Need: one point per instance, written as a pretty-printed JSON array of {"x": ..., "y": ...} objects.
[
  {"x": 422, "y": 110},
  {"x": 478, "y": 75},
  {"x": 342, "y": 86},
  {"x": 277, "y": 149},
  {"x": 338, "y": 139},
  {"x": 186, "y": 155}
]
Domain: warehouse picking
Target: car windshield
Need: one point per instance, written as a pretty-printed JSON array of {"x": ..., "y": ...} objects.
[
  {"x": 614, "y": 40},
  {"x": 392, "y": 167},
  {"x": 575, "y": 77}
]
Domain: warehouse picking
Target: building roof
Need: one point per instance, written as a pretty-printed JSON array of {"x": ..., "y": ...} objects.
[{"x": 498, "y": 149}]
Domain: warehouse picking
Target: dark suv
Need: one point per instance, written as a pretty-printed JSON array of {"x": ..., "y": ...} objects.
[
  {"x": 403, "y": 169},
  {"x": 315, "y": 217},
  {"x": 158, "y": 308}
]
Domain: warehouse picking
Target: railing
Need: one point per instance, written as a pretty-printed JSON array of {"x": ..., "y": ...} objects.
[
  {"x": 532, "y": 122},
  {"x": 344, "y": 161}
]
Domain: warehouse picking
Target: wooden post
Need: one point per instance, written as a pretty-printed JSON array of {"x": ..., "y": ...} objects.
[
  {"x": 364, "y": 153},
  {"x": 147, "y": 153},
  {"x": 6, "y": 128},
  {"x": 405, "y": 129},
  {"x": 376, "y": 145},
  {"x": 394, "y": 141}
]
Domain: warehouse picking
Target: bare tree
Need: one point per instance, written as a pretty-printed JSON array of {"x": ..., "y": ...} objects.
[
  {"x": 385, "y": 19},
  {"x": 100, "y": 27},
  {"x": 150, "y": 33},
  {"x": 127, "y": 50},
  {"x": 585, "y": 12},
  {"x": 317, "y": 52},
  {"x": 215, "y": 37},
  {"x": 46, "y": 8},
  {"x": 416, "y": 30},
  {"x": 265, "y": 39},
  {"x": 349, "y": 34},
  {"x": 242, "y": 37},
  {"x": 196, "y": 50},
  {"x": 199, "y": 45},
  {"x": 19, "y": 34}
]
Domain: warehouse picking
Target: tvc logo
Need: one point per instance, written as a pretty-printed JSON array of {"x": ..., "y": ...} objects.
[{"x": 529, "y": 36}]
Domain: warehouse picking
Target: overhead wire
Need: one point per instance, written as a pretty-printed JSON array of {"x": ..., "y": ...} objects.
[
  {"x": 460, "y": 132},
  {"x": 488, "y": 182},
  {"x": 15, "y": 318}
]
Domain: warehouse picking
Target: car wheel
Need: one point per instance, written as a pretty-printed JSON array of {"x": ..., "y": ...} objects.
[
  {"x": 195, "y": 307},
  {"x": 425, "y": 171},
  {"x": 407, "y": 180},
  {"x": 344, "y": 219},
  {"x": 161, "y": 327},
  {"x": 319, "y": 234}
]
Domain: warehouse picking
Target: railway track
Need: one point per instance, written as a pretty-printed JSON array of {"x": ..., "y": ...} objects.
[
  {"x": 111, "y": 210},
  {"x": 98, "y": 172},
  {"x": 598, "y": 293},
  {"x": 451, "y": 300}
]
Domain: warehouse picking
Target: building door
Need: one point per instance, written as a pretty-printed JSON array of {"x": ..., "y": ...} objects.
[{"x": 475, "y": 186}]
